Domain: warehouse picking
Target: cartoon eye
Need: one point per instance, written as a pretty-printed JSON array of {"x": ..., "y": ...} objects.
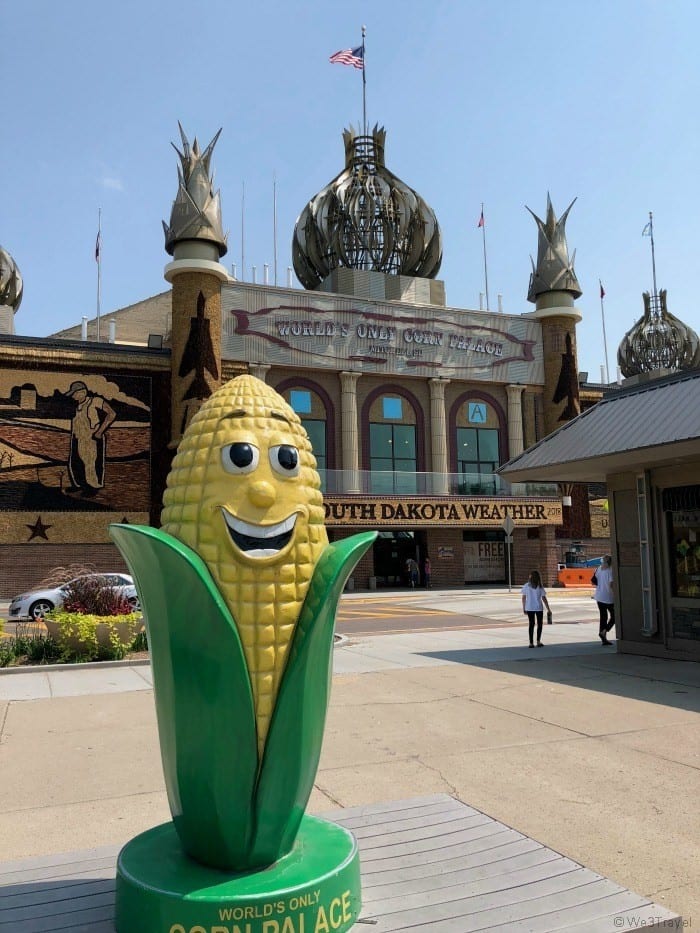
[
  {"x": 239, "y": 458},
  {"x": 284, "y": 459}
]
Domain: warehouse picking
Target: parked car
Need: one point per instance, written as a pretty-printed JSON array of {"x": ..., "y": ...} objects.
[{"x": 36, "y": 603}]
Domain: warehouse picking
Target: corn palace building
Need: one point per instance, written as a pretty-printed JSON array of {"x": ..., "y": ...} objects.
[{"x": 411, "y": 405}]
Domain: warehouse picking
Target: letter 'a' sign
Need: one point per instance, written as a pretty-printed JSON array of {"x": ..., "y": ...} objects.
[{"x": 477, "y": 413}]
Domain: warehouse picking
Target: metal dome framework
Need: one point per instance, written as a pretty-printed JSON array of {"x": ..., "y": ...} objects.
[
  {"x": 11, "y": 285},
  {"x": 658, "y": 340},
  {"x": 366, "y": 218}
]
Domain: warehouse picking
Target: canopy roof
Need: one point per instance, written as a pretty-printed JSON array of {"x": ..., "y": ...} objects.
[{"x": 649, "y": 424}]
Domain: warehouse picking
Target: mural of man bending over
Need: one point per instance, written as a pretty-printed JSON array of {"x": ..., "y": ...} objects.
[{"x": 86, "y": 461}]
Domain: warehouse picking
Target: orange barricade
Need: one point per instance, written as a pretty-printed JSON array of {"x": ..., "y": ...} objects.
[{"x": 576, "y": 576}]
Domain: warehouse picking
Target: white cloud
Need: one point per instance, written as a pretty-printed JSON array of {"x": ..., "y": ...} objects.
[{"x": 112, "y": 182}]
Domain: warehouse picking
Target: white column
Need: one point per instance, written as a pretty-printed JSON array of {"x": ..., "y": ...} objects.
[
  {"x": 350, "y": 447},
  {"x": 515, "y": 419},
  {"x": 259, "y": 370},
  {"x": 438, "y": 435}
]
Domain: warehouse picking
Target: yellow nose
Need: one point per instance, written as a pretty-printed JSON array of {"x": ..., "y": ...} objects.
[{"x": 262, "y": 493}]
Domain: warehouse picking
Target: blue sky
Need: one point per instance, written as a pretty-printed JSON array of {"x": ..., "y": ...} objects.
[{"x": 497, "y": 102}]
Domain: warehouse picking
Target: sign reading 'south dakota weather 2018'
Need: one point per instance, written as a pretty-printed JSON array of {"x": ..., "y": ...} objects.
[
  {"x": 317, "y": 331},
  {"x": 421, "y": 512}
]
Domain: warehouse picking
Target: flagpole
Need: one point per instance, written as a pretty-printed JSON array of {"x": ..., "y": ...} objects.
[
  {"x": 274, "y": 222},
  {"x": 243, "y": 233},
  {"x": 364, "y": 83},
  {"x": 653, "y": 256},
  {"x": 486, "y": 274},
  {"x": 99, "y": 268},
  {"x": 605, "y": 341}
]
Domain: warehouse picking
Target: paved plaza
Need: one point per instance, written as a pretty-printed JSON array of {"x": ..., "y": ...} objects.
[{"x": 591, "y": 753}]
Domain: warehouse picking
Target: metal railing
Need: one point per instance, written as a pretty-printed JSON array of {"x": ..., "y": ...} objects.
[{"x": 381, "y": 482}]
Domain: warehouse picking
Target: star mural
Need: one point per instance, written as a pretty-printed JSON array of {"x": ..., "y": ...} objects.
[{"x": 38, "y": 529}]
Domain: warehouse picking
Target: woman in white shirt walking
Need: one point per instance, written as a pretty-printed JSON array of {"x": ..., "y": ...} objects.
[
  {"x": 605, "y": 598},
  {"x": 534, "y": 597}
]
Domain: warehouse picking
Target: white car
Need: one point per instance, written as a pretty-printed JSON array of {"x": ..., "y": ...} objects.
[{"x": 36, "y": 603}]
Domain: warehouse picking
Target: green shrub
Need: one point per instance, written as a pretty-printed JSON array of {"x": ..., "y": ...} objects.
[
  {"x": 140, "y": 642},
  {"x": 29, "y": 644},
  {"x": 7, "y": 654},
  {"x": 92, "y": 596},
  {"x": 86, "y": 637}
]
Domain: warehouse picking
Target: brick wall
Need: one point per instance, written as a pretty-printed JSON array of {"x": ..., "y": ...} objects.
[
  {"x": 535, "y": 553},
  {"x": 446, "y": 571},
  {"x": 23, "y": 567}
]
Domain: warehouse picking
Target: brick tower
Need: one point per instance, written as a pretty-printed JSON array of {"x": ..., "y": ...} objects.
[
  {"x": 553, "y": 289},
  {"x": 195, "y": 240}
]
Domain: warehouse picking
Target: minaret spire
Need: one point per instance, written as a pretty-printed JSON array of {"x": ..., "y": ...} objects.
[
  {"x": 196, "y": 241},
  {"x": 553, "y": 289},
  {"x": 554, "y": 270}
]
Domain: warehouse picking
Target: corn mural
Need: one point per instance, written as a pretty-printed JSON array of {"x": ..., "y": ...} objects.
[{"x": 239, "y": 591}]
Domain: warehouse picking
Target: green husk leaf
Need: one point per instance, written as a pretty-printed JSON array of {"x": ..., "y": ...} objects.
[
  {"x": 293, "y": 746},
  {"x": 203, "y": 696}
]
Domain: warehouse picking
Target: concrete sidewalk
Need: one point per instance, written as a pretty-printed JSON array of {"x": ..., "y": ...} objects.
[{"x": 594, "y": 754}]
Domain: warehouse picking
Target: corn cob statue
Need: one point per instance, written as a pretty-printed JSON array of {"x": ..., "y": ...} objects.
[{"x": 239, "y": 591}]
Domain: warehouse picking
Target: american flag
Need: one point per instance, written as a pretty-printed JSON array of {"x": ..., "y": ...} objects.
[
  {"x": 354, "y": 57},
  {"x": 98, "y": 246}
]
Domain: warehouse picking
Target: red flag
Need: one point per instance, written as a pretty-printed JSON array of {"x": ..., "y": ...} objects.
[
  {"x": 481, "y": 219},
  {"x": 602, "y": 290}
]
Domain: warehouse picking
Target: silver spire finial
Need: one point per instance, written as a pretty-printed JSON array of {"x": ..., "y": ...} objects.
[
  {"x": 196, "y": 213},
  {"x": 554, "y": 271}
]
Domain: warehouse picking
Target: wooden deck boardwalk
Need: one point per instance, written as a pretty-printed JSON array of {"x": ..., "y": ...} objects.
[{"x": 429, "y": 864}]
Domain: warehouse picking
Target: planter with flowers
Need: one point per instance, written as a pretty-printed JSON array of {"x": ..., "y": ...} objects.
[
  {"x": 86, "y": 637},
  {"x": 94, "y": 623}
]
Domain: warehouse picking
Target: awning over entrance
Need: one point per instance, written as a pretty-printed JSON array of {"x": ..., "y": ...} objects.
[{"x": 634, "y": 428}]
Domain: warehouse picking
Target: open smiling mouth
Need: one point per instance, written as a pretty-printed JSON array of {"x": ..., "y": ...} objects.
[{"x": 260, "y": 540}]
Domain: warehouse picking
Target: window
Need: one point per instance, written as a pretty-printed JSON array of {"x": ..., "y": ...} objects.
[
  {"x": 477, "y": 439},
  {"x": 477, "y": 460},
  {"x": 684, "y": 539},
  {"x": 392, "y": 449},
  {"x": 316, "y": 430},
  {"x": 312, "y": 412}
]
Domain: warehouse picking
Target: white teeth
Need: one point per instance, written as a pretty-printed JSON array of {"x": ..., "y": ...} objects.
[{"x": 259, "y": 531}]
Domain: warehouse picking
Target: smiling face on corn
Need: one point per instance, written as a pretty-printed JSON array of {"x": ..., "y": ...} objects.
[
  {"x": 244, "y": 494},
  {"x": 263, "y": 468},
  {"x": 244, "y": 481}
]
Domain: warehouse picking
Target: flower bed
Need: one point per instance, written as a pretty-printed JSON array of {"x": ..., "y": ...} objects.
[
  {"x": 85, "y": 637},
  {"x": 75, "y": 638}
]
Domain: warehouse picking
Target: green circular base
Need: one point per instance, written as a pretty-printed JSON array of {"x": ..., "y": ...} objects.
[{"x": 313, "y": 889}]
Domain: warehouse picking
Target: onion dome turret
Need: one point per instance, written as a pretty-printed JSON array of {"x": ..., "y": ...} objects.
[
  {"x": 658, "y": 340},
  {"x": 10, "y": 282},
  {"x": 366, "y": 218}
]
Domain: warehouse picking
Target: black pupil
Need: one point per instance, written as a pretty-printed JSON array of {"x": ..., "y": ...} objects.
[
  {"x": 241, "y": 455},
  {"x": 287, "y": 457}
]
